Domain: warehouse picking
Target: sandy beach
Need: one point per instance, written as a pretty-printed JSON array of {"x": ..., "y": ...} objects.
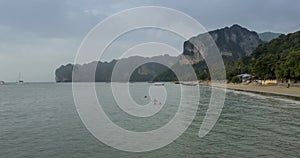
[{"x": 292, "y": 92}]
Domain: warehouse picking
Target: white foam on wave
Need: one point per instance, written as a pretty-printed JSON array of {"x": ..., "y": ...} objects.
[{"x": 263, "y": 97}]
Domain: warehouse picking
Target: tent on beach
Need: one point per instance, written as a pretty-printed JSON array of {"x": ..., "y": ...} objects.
[{"x": 245, "y": 77}]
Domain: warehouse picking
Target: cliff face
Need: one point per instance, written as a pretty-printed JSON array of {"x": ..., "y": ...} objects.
[
  {"x": 233, "y": 43},
  {"x": 104, "y": 70},
  {"x": 64, "y": 73}
]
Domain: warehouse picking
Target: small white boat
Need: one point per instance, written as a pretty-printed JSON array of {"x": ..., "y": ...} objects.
[
  {"x": 159, "y": 84},
  {"x": 2, "y": 82},
  {"x": 189, "y": 84},
  {"x": 20, "y": 81}
]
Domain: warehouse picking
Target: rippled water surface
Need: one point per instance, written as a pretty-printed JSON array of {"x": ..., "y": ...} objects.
[{"x": 40, "y": 120}]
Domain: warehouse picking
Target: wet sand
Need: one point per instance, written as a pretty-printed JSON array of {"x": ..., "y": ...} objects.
[{"x": 292, "y": 92}]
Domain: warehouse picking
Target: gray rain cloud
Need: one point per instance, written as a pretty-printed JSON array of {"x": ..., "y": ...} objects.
[{"x": 37, "y": 36}]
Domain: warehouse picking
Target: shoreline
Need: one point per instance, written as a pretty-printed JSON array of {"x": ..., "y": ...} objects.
[
  {"x": 291, "y": 93},
  {"x": 274, "y": 90}
]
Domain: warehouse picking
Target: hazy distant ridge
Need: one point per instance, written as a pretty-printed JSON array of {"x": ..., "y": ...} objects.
[
  {"x": 233, "y": 42},
  {"x": 268, "y": 36}
]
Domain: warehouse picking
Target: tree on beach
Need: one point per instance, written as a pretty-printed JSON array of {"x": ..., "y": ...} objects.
[
  {"x": 264, "y": 66},
  {"x": 236, "y": 80},
  {"x": 293, "y": 65},
  {"x": 289, "y": 66},
  {"x": 280, "y": 71}
]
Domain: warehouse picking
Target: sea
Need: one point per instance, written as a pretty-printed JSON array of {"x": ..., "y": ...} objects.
[{"x": 40, "y": 120}]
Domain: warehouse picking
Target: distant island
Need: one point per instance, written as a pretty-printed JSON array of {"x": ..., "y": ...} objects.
[{"x": 265, "y": 56}]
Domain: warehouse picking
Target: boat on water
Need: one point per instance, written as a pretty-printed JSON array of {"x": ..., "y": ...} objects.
[
  {"x": 176, "y": 82},
  {"x": 189, "y": 84},
  {"x": 20, "y": 81},
  {"x": 2, "y": 82},
  {"x": 159, "y": 84}
]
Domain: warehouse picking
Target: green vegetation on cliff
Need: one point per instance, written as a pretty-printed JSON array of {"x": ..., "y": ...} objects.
[{"x": 279, "y": 58}]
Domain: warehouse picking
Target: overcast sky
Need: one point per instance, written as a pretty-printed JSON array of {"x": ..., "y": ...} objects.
[{"x": 37, "y": 36}]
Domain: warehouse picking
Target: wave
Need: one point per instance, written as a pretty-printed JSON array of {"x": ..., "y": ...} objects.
[{"x": 263, "y": 97}]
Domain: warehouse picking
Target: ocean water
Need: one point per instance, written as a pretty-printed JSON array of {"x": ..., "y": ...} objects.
[{"x": 40, "y": 120}]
